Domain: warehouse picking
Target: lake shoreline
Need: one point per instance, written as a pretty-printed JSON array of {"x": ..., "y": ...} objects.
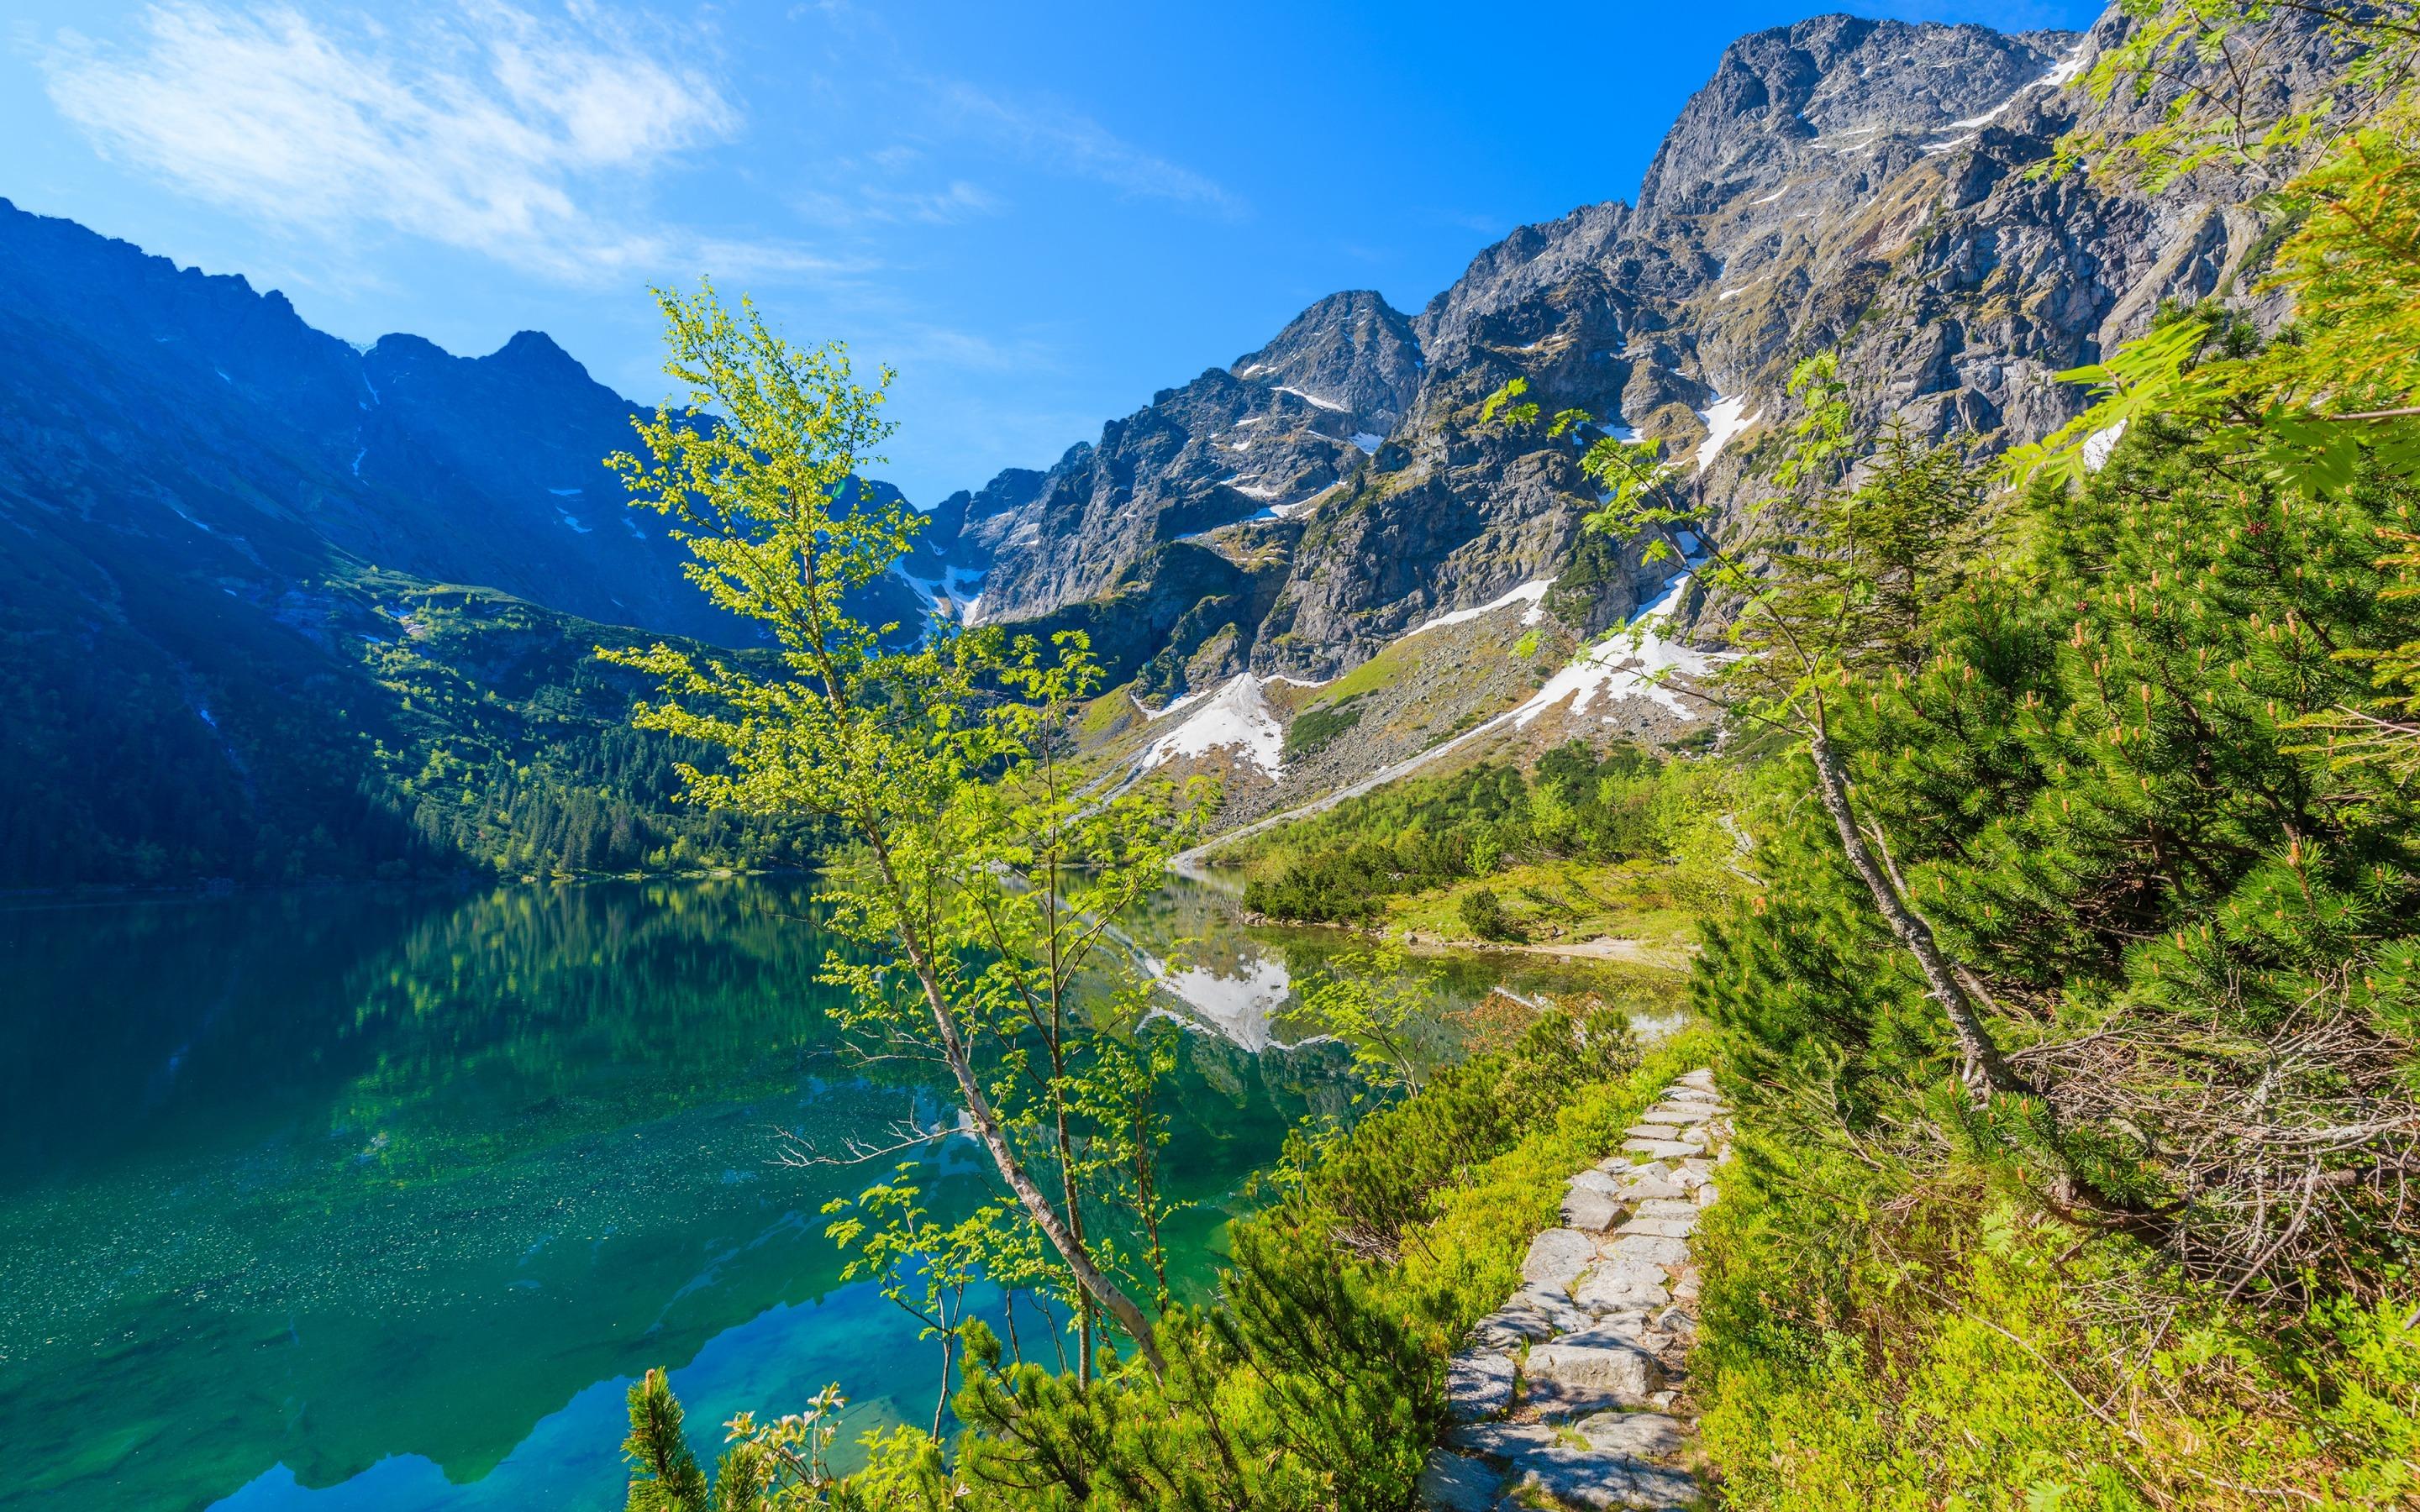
[{"x": 1621, "y": 949}]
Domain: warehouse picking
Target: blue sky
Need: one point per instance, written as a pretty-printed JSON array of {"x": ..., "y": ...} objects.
[{"x": 1039, "y": 216}]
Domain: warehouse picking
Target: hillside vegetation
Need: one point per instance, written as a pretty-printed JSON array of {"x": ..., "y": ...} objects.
[
  {"x": 1585, "y": 841},
  {"x": 377, "y": 725}
]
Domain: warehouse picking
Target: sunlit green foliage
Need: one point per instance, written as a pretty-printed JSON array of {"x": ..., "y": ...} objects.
[
  {"x": 1341, "y": 866},
  {"x": 1314, "y": 1384}
]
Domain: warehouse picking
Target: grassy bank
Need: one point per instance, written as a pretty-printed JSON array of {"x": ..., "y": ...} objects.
[{"x": 1316, "y": 1381}]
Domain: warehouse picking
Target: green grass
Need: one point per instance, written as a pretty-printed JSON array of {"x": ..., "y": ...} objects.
[
  {"x": 1559, "y": 901},
  {"x": 1463, "y": 1263}
]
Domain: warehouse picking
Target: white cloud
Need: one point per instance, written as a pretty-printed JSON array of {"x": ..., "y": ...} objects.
[
  {"x": 871, "y": 204},
  {"x": 1066, "y": 142},
  {"x": 484, "y": 128}
]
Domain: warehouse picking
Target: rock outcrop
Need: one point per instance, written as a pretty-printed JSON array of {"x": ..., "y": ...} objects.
[{"x": 1862, "y": 186}]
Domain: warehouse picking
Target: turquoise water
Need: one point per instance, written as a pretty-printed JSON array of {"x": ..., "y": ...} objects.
[{"x": 368, "y": 1199}]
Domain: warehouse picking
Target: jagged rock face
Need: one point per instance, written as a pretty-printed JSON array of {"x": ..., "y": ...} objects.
[
  {"x": 1350, "y": 353},
  {"x": 1838, "y": 184},
  {"x": 1286, "y": 425}
]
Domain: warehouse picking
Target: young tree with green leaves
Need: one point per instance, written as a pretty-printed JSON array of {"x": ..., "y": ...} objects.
[{"x": 984, "y": 878}]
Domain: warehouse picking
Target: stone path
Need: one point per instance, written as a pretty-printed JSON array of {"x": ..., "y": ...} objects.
[{"x": 1564, "y": 1395}]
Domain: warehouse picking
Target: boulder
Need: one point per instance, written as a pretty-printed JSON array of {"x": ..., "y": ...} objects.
[
  {"x": 1478, "y": 1385},
  {"x": 1456, "y": 1483},
  {"x": 1591, "y": 1210},
  {"x": 1556, "y": 1258}
]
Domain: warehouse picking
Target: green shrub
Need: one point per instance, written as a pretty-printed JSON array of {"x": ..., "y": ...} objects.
[
  {"x": 1312, "y": 729},
  {"x": 1482, "y": 913}
]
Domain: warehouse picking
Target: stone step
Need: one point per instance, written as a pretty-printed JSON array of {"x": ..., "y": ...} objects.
[
  {"x": 1478, "y": 1385},
  {"x": 1667, "y": 1208},
  {"x": 1652, "y": 1249},
  {"x": 1616, "y": 1285},
  {"x": 1588, "y": 1210},
  {"x": 1683, "y": 1113},
  {"x": 1557, "y": 1257},
  {"x": 1590, "y": 1370},
  {"x": 1667, "y": 1228},
  {"x": 1654, "y": 1131},
  {"x": 1540, "y": 1466},
  {"x": 1662, "y": 1149},
  {"x": 1641, "y": 1183}
]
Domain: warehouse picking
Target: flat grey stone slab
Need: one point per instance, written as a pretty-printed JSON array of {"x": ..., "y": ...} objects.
[
  {"x": 1507, "y": 1329},
  {"x": 1652, "y": 1249},
  {"x": 1662, "y": 1149},
  {"x": 1651, "y": 1182},
  {"x": 1635, "y": 1435},
  {"x": 1595, "y": 1180},
  {"x": 1596, "y": 1368},
  {"x": 1672, "y": 1206},
  {"x": 1556, "y": 1258},
  {"x": 1478, "y": 1385},
  {"x": 1456, "y": 1483},
  {"x": 1667, "y": 1228},
  {"x": 1581, "y": 1479},
  {"x": 1682, "y": 1113},
  {"x": 1591, "y": 1212},
  {"x": 1616, "y": 1285},
  {"x": 1553, "y": 1304},
  {"x": 1500, "y": 1441},
  {"x": 1703, "y": 1077},
  {"x": 1654, "y": 1131}
]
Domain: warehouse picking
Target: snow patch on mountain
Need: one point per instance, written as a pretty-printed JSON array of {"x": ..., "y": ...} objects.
[
  {"x": 1724, "y": 419},
  {"x": 1633, "y": 662},
  {"x": 1235, "y": 717},
  {"x": 1237, "y": 1009},
  {"x": 1535, "y": 593}
]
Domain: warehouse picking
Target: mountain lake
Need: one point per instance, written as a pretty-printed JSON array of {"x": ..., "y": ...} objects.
[{"x": 378, "y": 1198}]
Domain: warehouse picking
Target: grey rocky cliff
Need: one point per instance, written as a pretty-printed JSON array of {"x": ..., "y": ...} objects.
[{"x": 1864, "y": 186}]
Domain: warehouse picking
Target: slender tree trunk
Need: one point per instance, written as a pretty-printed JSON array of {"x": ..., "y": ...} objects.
[
  {"x": 1985, "y": 1072},
  {"x": 1088, "y": 1277},
  {"x": 949, "y": 1341}
]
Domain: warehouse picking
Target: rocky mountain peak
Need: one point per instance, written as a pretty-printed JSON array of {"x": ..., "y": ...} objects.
[
  {"x": 1841, "y": 88},
  {"x": 1351, "y": 351}
]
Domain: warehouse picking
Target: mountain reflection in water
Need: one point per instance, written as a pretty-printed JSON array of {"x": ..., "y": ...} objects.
[{"x": 379, "y": 1199}]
